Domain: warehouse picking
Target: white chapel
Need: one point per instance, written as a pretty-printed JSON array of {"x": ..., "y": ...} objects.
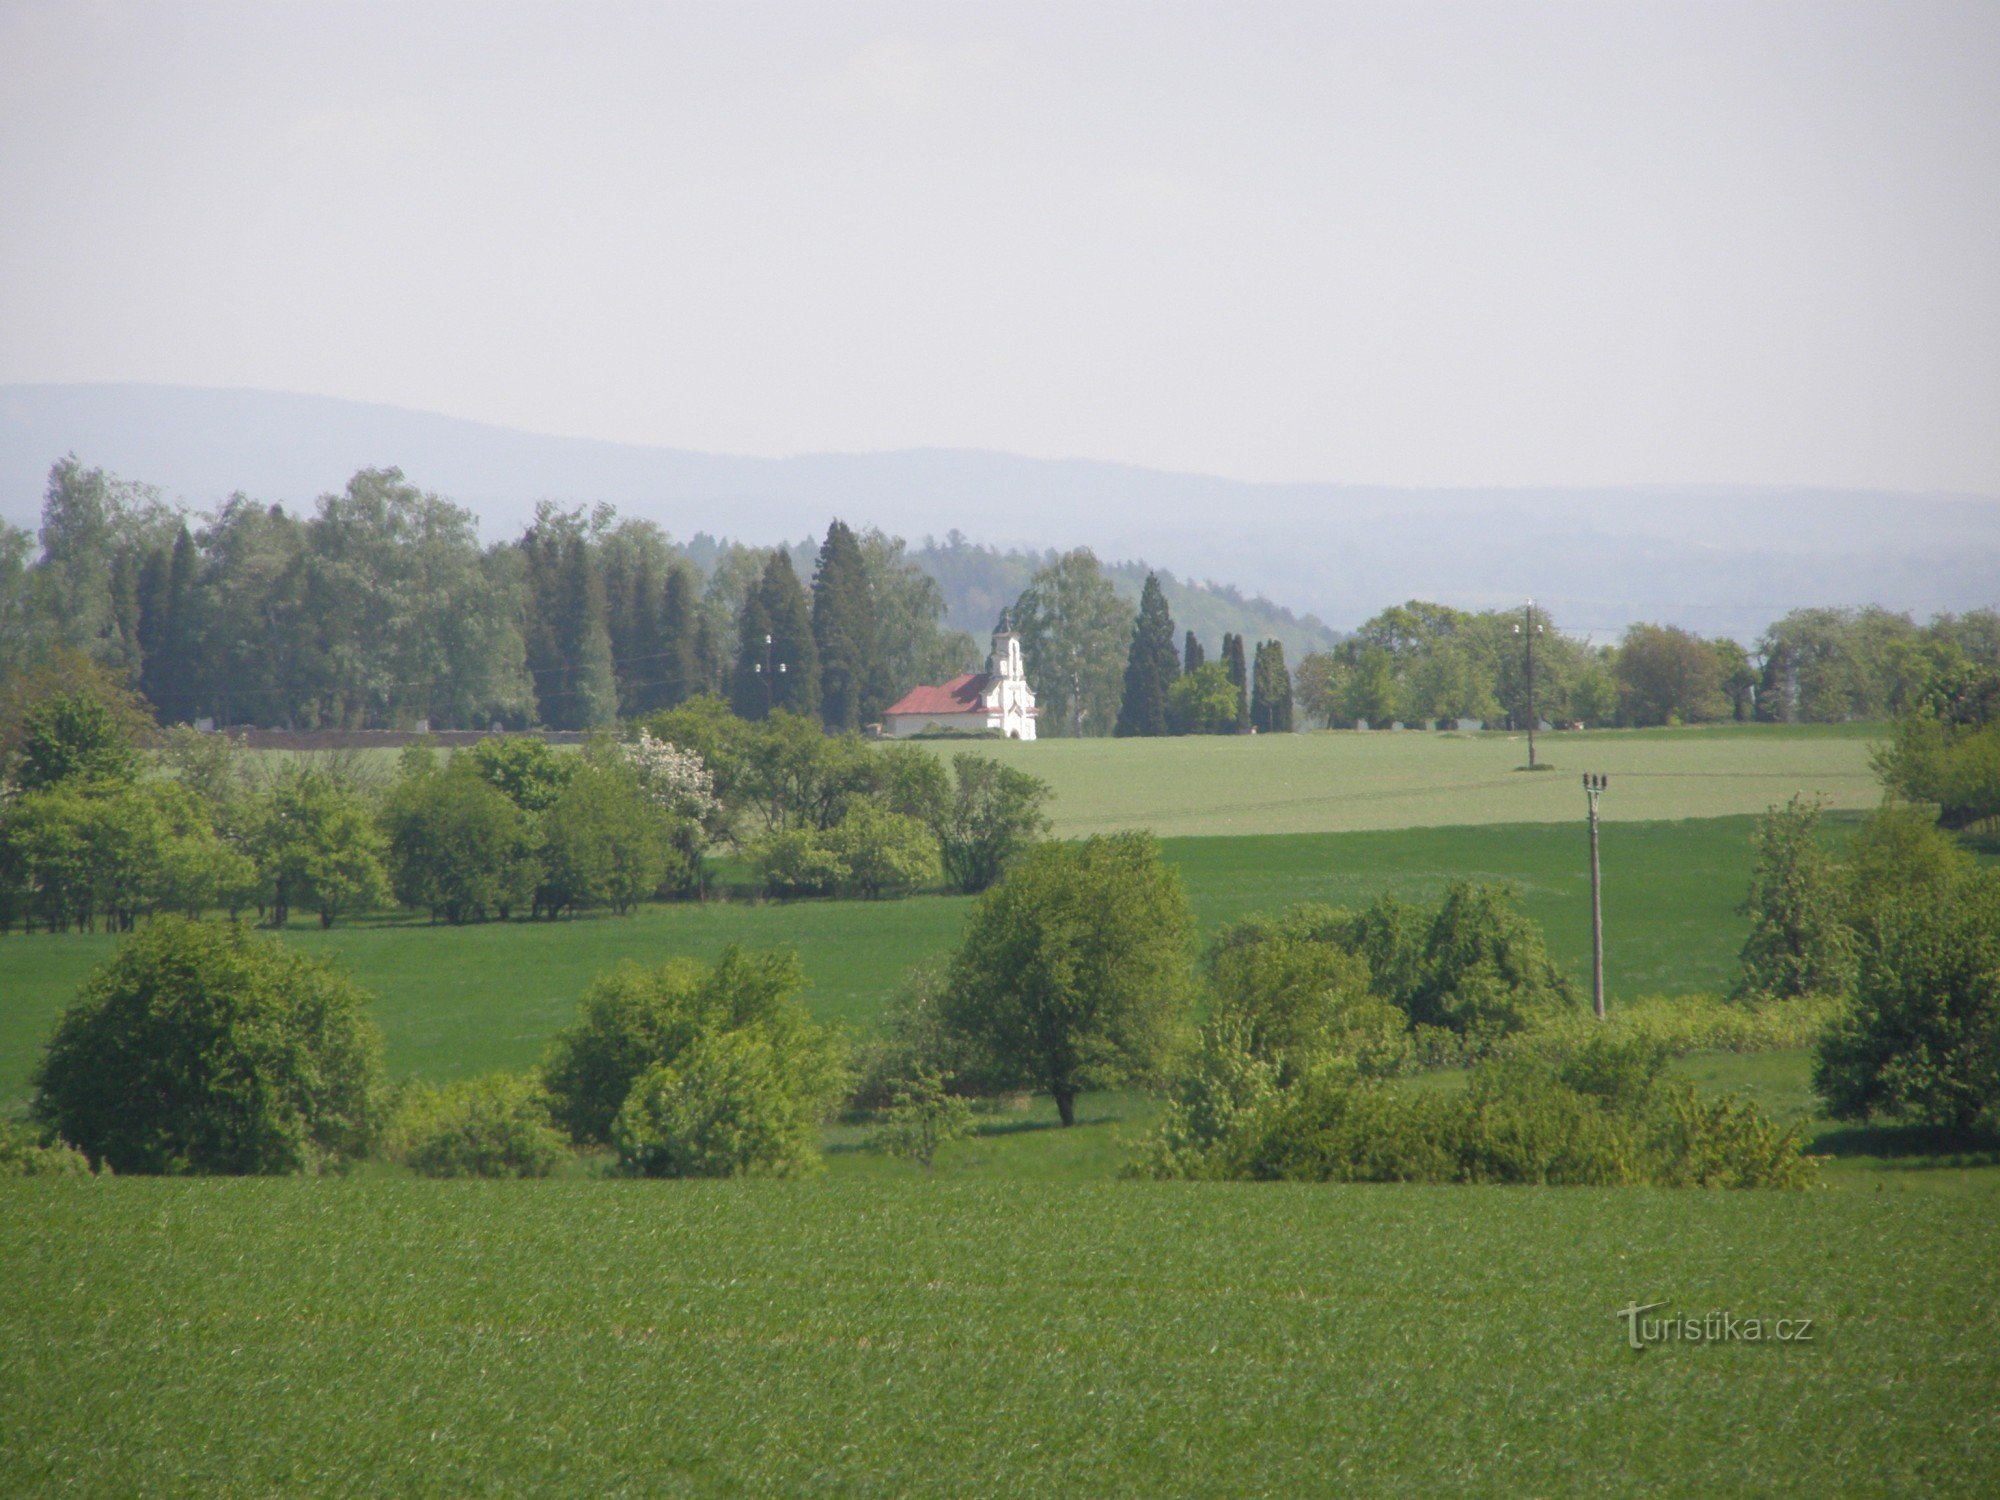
[{"x": 997, "y": 700}]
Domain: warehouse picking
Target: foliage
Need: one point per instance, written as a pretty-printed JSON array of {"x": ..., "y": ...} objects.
[
  {"x": 910, "y": 1037},
  {"x": 1151, "y": 667},
  {"x": 495, "y": 1125},
  {"x": 27, "y": 1152},
  {"x": 1073, "y": 970},
  {"x": 529, "y": 772},
  {"x": 720, "y": 1109},
  {"x": 922, "y": 1116},
  {"x": 1203, "y": 701},
  {"x": 994, "y": 815},
  {"x": 85, "y": 849},
  {"x": 777, "y": 661},
  {"x": 1270, "y": 690},
  {"x": 884, "y": 853},
  {"x": 318, "y": 848},
  {"x": 853, "y": 686},
  {"x": 1799, "y": 941},
  {"x": 1667, "y": 675},
  {"x": 1681, "y": 1024},
  {"x": 198, "y": 1048},
  {"x": 635, "y": 1018},
  {"x": 1287, "y": 990},
  {"x": 1603, "y": 1116},
  {"x": 1921, "y": 1041},
  {"x": 458, "y": 847},
  {"x": 1073, "y": 626},
  {"x": 604, "y": 842},
  {"x": 71, "y": 718}
]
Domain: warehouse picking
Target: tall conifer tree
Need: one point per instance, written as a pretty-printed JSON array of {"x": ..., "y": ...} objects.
[
  {"x": 1271, "y": 710},
  {"x": 843, "y": 627},
  {"x": 1192, "y": 655},
  {"x": 783, "y": 673},
  {"x": 1239, "y": 673},
  {"x": 1151, "y": 668}
]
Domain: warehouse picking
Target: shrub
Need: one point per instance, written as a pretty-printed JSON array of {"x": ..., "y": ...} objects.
[
  {"x": 722, "y": 1108},
  {"x": 26, "y": 1152},
  {"x": 995, "y": 815},
  {"x": 922, "y": 1116},
  {"x": 635, "y": 1018},
  {"x": 1297, "y": 997},
  {"x": 1799, "y": 943},
  {"x": 1922, "y": 1039},
  {"x": 911, "y": 1037},
  {"x": 1603, "y": 1116},
  {"x": 885, "y": 853},
  {"x": 798, "y": 862},
  {"x": 198, "y": 1048},
  {"x": 1680, "y": 1024},
  {"x": 494, "y": 1126}
]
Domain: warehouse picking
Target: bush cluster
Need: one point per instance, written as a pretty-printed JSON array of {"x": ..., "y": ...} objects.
[
  {"x": 686, "y": 1070},
  {"x": 493, "y": 1126},
  {"x": 1604, "y": 1116}
]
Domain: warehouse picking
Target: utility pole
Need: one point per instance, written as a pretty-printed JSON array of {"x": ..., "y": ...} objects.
[
  {"x": 1593, "y": 787},
  {"x": 767, "y": 671},
  {"x": 1529, "y": 631}
]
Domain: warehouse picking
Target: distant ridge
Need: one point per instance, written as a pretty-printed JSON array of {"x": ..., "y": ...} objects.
[{"x": 1715, "y": 558}]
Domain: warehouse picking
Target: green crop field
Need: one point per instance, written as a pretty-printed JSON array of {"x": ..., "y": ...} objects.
[
  {"x": 465, "y": 999},
  {"x": 1332, "y": 782},
  {"x": 953, "y": 1338}
]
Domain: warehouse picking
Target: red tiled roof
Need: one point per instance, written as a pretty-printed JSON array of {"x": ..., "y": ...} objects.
[{"x": 962, "y": 695}]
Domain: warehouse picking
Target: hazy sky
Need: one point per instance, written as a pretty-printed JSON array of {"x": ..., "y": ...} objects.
[{"x": 1450, "y": 244}]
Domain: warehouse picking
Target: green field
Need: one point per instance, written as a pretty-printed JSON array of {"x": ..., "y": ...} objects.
[
  {"x": 1119, "y": 1339},
  {"x": 462, "y": 1000},
  {"x": 1017, "y": 1322},
  {"x": 1334, "y": 782}
]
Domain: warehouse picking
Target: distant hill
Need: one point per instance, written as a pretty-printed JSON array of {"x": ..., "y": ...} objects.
[{"x": 1719, "y": 560}]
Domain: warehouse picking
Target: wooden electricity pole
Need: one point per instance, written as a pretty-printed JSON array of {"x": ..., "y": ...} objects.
[
  {"x": 1593, "y": 786},
  {"x": 1529, "y": 630}
]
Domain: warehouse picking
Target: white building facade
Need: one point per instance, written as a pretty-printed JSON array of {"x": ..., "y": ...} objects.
[{"x": 996, "y": 701}]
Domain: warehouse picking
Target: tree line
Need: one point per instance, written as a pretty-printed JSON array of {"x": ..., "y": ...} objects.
[
  {"x": 105, "y": 821},
  {"x": 1421, "y": 662},
  {"x": 381, "y": 608}
]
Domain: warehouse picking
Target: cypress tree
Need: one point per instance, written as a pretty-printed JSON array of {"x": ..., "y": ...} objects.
[
  {"x": 180, "y": 676},
  {"x": 679, "y": 674},
  {"x": 583, "y": 640},
  {"x": 154, "y": 666},
  {"x": 1192, "y": 656},
  {"x": 1271, "y": 711},
  {"x": 1239, "y": 673},
  {"x": 1151, "y": 667},
  {"x": 843, "y": 627}
]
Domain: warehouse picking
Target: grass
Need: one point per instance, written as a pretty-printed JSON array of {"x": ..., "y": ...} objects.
[
  {"x": 1333, "y": 782},
  {"x": 941, "y": 1337},
  {"x": 463, "y": 1000}
]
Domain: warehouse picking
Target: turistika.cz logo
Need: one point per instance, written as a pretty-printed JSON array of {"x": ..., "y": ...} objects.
[{"x": 1715, "y": 1328}]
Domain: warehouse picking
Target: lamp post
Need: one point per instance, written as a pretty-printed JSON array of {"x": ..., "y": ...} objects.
[
  {"x": 1593, "y": 788},
  {"x": 768, "y": 671}
]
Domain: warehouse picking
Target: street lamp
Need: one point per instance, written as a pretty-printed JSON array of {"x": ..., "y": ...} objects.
[{"x": 1593, "y": 788}]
